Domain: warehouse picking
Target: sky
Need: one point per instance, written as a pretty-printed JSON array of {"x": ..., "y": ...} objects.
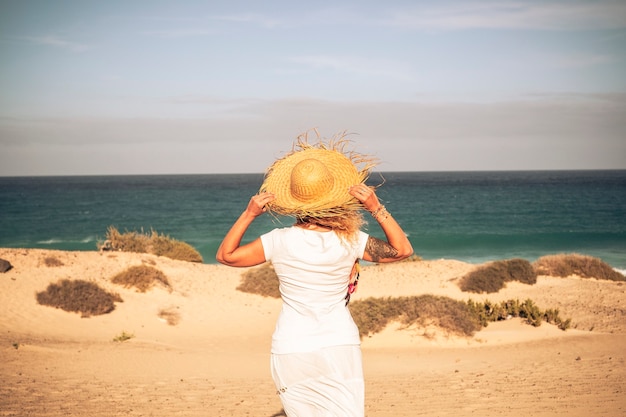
[{"x": 199, "y": 87}]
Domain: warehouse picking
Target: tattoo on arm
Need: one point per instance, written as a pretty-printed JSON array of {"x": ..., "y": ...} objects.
[{"x": 379, "y": 249}]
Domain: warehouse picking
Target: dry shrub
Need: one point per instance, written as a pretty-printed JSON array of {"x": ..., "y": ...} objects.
[
  {"x": 520, "y": 270},
  {"x": 52, "y": 261},
  {"x": 142, "y": 277},
  {"x": 171, "y": 316},
  {"x": 565, "y": 265},
  {"x": 493, "y": 276},
  {"x": 125, "y": 242},
  {"x": 372, "y": 315},
  {"x": 79, "y": 296},
  {"x": 154, "y": 243},
  {"x": 485, "y": 279},
  {"x": 162, "y": 245},
  {"x": 261, "y": 280}
]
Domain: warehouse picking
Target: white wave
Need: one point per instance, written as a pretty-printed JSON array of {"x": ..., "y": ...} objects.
[
  {"x": 49, "y": 241},
  {"x": 55, "y": 241}
]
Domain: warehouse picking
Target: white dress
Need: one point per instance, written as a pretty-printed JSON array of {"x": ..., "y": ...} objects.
[{"x": 316, "y": 357}]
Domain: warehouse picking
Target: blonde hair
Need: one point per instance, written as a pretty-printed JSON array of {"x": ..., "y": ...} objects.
[{"x": 346, "y": 225}]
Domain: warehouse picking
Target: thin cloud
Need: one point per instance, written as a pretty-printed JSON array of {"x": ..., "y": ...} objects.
[
  {"x": 55, "y": 41},
  {"x": 605, "y": 99},
  {"x": 581, "y": 61},
  {"x": 355, "y": 66},
  {"x": 199, "y": 22},
  {"x": 254, "y": 18},
  {"x": 178, "y": 33},
  {"x": 549, "y": 15}
]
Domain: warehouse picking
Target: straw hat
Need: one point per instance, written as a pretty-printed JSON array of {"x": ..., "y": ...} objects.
[{"x": 313, "y": 179}]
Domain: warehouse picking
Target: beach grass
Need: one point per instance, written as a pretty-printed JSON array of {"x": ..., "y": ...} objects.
[{"x": 153, "y": 242}]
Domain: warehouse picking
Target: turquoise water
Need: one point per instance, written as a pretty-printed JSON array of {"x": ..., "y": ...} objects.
[{"x": 470, "y": 216}]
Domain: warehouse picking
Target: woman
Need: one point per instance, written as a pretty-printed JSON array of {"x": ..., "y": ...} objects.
[{"x": 316, "y": 356}]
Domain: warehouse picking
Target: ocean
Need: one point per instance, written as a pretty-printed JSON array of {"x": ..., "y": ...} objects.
[{"x": 468, "y": 216}]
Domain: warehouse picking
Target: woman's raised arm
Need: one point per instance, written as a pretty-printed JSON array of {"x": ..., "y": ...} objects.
[
  {"x": 397, "y": 246},
  {"x": 231, "y": 252}
]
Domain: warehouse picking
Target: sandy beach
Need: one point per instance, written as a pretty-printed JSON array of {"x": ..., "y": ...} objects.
[{"x": 202, "y": 349}]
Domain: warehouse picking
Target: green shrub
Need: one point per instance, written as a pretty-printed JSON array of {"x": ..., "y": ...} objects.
[
  {"x": 565, "y": 265},
  {"x": 487, "y": 312},
  {"x": 552, "y": 316},
  {"x": 154, "y": 243},
  {"x": 512, "y": 308},
  {"x": 79, "y": 296},
  {"x": 142, "y": 277},
  {"x": 493, "y": 276},
  {"x": 261, "y": 280},
  {"x": 532, "y": 313},
  {"x": 122, "y": 337}
]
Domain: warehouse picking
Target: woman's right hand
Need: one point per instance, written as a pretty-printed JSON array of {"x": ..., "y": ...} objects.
[
  {"x": 231, "y": 252},
  {"x": 258, "y": 203}
]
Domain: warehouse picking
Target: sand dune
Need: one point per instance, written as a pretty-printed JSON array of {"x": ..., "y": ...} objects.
[{"x": 211, "y": 358}]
